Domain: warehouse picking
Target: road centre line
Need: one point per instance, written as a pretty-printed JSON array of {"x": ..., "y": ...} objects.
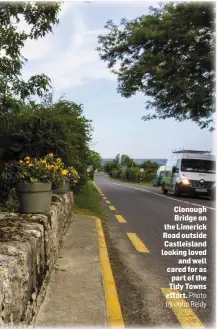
[
  {"x": 161, "y": 195},
  {"x": 120, "y": 219},
  {"x": 138, "y": 244},
  {"x": 182, "y": 310}
]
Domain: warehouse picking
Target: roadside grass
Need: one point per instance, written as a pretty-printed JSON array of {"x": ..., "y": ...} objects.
[
  {"x": 125, "y": 181},
  {"x": 88, "y": 202}
]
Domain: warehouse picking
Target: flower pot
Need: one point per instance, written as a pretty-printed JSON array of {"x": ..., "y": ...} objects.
[
  {"x": 34, "y": 198},
  {"x": 65, "y": 187}
]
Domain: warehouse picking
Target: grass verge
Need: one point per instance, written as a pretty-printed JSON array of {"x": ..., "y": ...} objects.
[
  {"x": 140, "y": 184},
  {"x": 88, "y": 202}
]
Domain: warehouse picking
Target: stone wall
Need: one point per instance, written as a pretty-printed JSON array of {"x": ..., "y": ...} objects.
[{"x": 29, "y": 248}]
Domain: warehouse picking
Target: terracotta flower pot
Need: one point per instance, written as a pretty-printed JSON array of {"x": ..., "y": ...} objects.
[{"x": 34, "y": 197}]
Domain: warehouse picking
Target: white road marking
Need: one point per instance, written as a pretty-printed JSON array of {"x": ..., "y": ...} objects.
[{"x": 161, "y": 195}]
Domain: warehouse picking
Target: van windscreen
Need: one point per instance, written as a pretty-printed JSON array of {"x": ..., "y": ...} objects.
[{"x": 198, "y": 165}]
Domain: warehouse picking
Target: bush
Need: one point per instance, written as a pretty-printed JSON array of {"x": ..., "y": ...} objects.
[
  {"x": 123, "y": 175},
  {"x": 115, "y": 173},
  {"x": 134, "y": 175},
  {"x": 131, "y": 174},
  {"x": 37, "y": 130}
]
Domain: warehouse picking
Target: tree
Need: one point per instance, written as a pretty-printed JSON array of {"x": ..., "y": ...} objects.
[
  {"x": 40, "y": 18},
  {"x": 110, "y": 166},
  {"x": 116, "y": 161},
  {"x": 149, "y": 165},
  {"x": 126, "y": 161},
  {"x": 94, "y": 159},
  {"x": 168, "y": 56}
]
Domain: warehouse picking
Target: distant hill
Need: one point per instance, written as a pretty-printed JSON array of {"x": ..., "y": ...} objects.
[{"x": 161, "y": 162}]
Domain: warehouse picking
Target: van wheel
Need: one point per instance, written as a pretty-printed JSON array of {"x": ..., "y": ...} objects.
[
  {"x": 177, "y": 191},
  {"x": 164, "y": 190}
]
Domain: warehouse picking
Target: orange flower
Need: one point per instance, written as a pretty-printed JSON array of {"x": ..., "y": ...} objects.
[{"x": 50, "y": 155}]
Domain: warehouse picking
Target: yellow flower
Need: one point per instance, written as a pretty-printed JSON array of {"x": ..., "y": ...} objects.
[
  {"x": 30, "y": 165},
  {"x": 50, "y": 155},
  {"x": 27, "y": 158},
  {"x": 59, "y": 160},
  {"x": 43, "y": 161},
  {"x": 21, "y": 161},
  {"x": 50, "y": 167},
  {"x": 64, "y": 172}
]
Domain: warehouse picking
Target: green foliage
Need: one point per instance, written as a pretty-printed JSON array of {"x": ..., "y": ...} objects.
[
  {"x": 117, "y": 161},
  {"x": 33, "y": 170},
  {"x": 40, "y": 17},
  {"x": 115, "y": 173},
  {"x": 168, "y": 56},
  {"x": 132, "y": 172},
  {"x": 149, "y": 164},
  {"x": 134, "y": 175},
  {"x": 29, "y": 128},
  {"x": 37, "y": 130},
  {"x": 88, "y": 201},
  {"x": 126, "y": 161},
  {"x": 94, "y": 159},
  {"x": 109, "y": 166},
  {"x": 11, "y": 204}
]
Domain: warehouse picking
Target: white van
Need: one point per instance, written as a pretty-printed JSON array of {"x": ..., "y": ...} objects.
[{"x": 190, "y": 172}]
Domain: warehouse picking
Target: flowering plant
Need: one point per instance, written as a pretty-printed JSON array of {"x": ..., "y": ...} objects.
[
  {"x": 67, "y": 175},
  {"x": 32, "y": 170},
  {"x": 72, "y": 174}
]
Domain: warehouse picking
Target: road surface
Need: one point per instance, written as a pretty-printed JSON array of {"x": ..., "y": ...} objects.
[{"x": 141, "y": 274}]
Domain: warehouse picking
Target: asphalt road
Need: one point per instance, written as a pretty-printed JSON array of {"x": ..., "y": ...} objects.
[{"x": 147, "y": 211}]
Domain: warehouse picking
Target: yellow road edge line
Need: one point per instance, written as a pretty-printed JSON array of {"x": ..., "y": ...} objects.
[
  {"x": 120, "y": 219},
  {"x": 112, "y": 208},
  {"x": 104, "y": 198},
  {"x": 96, "y": 187},
  {"x": 138, "y": 244},
  {"x": 107, "y": 201},
  {"x": 114, "y": 314},
  {"x": 100, "y": 192},
  {"x": 184, "y": 314}
]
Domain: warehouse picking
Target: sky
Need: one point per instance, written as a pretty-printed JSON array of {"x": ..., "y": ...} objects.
[{"x": 69, "y": 58}]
